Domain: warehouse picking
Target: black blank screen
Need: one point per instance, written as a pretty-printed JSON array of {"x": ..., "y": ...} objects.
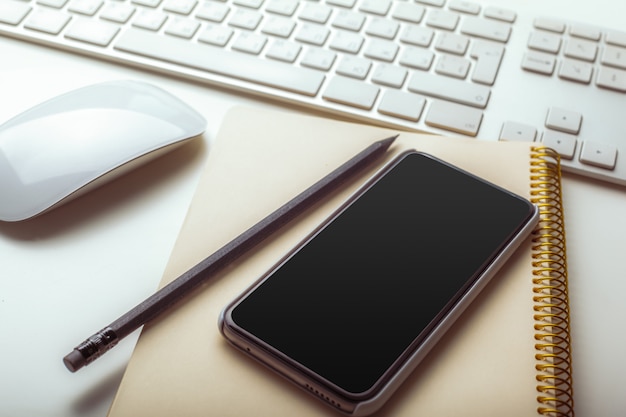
[{"x": 352, "y": 300}]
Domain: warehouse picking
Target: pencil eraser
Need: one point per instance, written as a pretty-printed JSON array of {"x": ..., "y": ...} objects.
[{"x": 74, "y": 360}]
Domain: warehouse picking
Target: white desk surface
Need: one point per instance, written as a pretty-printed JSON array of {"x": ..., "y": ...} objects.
[{"x": 71, "y": 272}]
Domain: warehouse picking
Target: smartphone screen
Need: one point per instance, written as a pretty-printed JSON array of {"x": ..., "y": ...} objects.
[{"x": 352, "y": 303}]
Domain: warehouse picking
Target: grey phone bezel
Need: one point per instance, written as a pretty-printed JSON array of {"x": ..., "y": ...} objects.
[{"x": 364, "y": 403}]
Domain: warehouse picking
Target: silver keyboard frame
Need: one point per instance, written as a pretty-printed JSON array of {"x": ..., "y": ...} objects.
[{"x": 517, "y": 96}]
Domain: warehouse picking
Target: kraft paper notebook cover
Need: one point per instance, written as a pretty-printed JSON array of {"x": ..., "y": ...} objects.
[{"x": 507, "y": 355}]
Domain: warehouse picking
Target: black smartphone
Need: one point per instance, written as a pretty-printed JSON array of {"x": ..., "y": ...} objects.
[{"x": 352, "y": 310}]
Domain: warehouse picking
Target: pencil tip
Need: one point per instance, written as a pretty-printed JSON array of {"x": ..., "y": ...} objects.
[{"x": 386, "y": 143}]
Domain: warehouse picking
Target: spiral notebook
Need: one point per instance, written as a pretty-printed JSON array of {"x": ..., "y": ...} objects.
[{"x": 509, "y": 354}]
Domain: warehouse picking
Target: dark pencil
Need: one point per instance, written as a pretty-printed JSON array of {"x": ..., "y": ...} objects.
[{"x": 102, "y": 341}]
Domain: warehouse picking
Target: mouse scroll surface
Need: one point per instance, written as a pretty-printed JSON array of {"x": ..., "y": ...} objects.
[{"x": 54, "y": 150}]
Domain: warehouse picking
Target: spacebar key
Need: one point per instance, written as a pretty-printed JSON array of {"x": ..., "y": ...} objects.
[{"x": 219, "y": 61}]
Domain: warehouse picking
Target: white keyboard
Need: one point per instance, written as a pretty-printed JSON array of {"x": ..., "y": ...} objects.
[{"x": 438, "y": 66}]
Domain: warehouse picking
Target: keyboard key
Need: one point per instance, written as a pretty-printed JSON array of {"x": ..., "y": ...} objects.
[
  {"x": 216, "y": 35},
  {"x": 117, "y": 12},
  {"x": 57, "y": 4},
  {"x": 381, "y": 50},
  {"x": 351, "y": 92},
  {"x": 48, "y": 21},
  {"x": 250, "y": 43},
  {"x": 204, "y": 57},
  {"x": 150, "y": 19},
  {"x": 409, "y": 12},
  {"x": 488, "y": 58},
  {"x": 438, "y": 3},
  {"x": 452, "y": 66},
  {"x": 319, "y": 58},
  {"x": 282, "y": 7},
  {"x": 575, "y": 70},
  {"x": 417, "y": 35},
  {"x": 212, "y": 11},
  {"x": 454, "y": 117},
  {"x": 513, "y": 131},
  {"x": 487, "y": 29},
  {"x": 378, "y": 7},
  {"x": 486, "y": 69},
  {"x": 499, "y": 13},
  {"x": 349, "y": 20},
  {"x": 245, "y": 19},
  {"x": 314, "y": 12},
  {"x": 564, "y": 120},
  {"x": 382, "y": 28},
  {"x": 563, "y": 143},
  {"x": 390, "y": 75},
  {"x": 614, "y": 37},
  {"x": 586, "y": 32},
  {"x": 581, "y": 49},
  {"x": 614, "y": 56},
  {"x": 348, "y": 4},
  {"x": 482, "y": 47},
  {"x": 400, "y": 104},
  {"x": 539, "y": 62},
  {"x": 252, "y": 4},
  {"x": 449, "y": 89},
  {"x": 419, "y": 58},
  {"x": 354, "y": 67},
  {"x": 86, "y": 7},
  {"x": 611, "y": 78},
  {"x": 347, "y": 42},
  {"x": 452, "y": 43},
  {"x": 182, "y": 27},
  {"x": 278, "y": 26},
  {"x": 92, "y": 31},
  {"x": 284, "y": 50},
  {"x": 544, "y": 41},
  {"x": 313, "y": 34},
  {"x": 464, "y": 6},
  {"x": 13, "y": 12},
  {"x": 598, "y": 154},
  {"x": 442, "y": 20},
  {"x": 552, "y": 25},
  {"x": 184, "y": 7},
  {"x": 149, "y": 3}
]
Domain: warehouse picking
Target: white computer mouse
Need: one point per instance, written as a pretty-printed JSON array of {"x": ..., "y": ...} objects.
[{"x": 72, "y": 143}]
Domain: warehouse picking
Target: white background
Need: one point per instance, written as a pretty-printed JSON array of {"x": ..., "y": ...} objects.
[{"x": 71, "y": 272}]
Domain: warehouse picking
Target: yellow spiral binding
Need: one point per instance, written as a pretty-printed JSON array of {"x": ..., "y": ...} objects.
[{"x": 551, "y": 304}]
